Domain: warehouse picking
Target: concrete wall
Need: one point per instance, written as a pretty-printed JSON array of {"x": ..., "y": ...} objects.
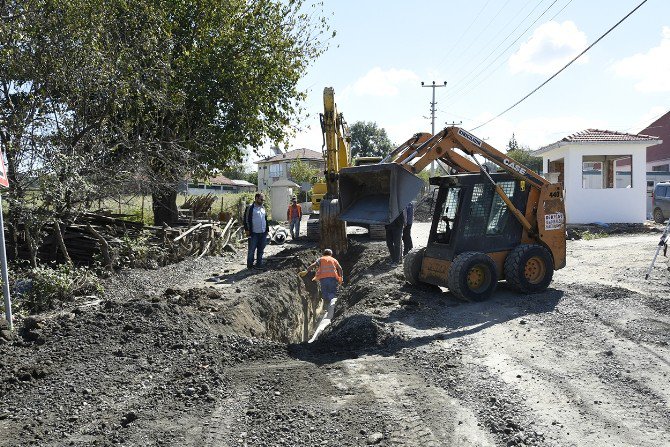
[{"x": 609, "y": 205}]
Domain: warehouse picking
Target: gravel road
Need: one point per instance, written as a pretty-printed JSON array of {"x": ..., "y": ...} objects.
[{"x": 176, "y": 358}]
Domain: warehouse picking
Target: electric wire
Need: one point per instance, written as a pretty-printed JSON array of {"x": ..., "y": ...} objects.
[
  {"x": 460, "y": 38},
  {"x": 564, "y": 67},
  {"x": 505, "y": 50},
  {"x": 499, "y": 44}
]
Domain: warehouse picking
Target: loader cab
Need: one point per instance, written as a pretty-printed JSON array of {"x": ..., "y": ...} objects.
[{"x": 470, "y": 216}]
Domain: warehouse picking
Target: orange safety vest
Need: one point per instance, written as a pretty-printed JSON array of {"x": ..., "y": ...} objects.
[
  {"x": 294, "y": 212},
  {"x": 328, "y": 268}
]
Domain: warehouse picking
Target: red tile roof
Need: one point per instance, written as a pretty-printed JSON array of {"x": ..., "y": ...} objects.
[
  {"x": 595, "y": 135},
  {"x": 303, "y": 154},
  {"x": 598, "y": 136}
]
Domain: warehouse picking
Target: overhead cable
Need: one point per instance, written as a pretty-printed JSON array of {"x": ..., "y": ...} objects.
[{"x": 564, "y": 67}]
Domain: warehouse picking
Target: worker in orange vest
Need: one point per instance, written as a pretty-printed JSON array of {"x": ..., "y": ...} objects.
[
  {"x": 293, "y": 215},
  {"x": 330, "y": 275}
]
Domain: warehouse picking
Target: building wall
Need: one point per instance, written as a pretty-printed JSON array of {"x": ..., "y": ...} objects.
[
  {"x": 269, "y": 173},
  {"x": 608, "y": 205}
]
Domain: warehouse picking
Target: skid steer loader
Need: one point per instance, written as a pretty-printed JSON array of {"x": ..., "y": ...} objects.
[{"x": 486, "y": 227}]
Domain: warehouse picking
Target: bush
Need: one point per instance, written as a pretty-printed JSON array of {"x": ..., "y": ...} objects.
[
  {"x": 44, "y": 288},
  {"x": 137, "y": 252}
]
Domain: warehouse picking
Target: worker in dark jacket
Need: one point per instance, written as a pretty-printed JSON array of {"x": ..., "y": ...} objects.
[
  {"x": 394, "y": 238},
  {"x": 407, "y": 244},
  {"x": 256, "y": 228}
]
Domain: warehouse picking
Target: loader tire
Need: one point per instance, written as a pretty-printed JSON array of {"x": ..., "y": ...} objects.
[
  {"x": 529, "y": 268},
  {"x": 658, "y": 216},
  {"x": 411, "y": 265},
  {"x": 472, "y": 276}
]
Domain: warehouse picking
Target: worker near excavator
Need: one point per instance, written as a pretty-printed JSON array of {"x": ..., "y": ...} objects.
[
  {"x": 256, "y": 228},
  {"x": 394, "y": 238},
  {"x": 293, "y": 215},
  {"x": 407, "y": 244},
  {"x": 329, "y": 274}
]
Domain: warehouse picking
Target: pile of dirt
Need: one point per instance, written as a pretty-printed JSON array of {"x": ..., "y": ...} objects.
[
  {"x": 423, "y": 210},
  {"x": 372, "y": 282},
  {"x": 117, "y": 370},
  {"x": 594, "y": 230}
]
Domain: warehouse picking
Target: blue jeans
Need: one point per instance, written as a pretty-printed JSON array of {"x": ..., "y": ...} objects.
[
  {"x": 328, "y": 288},
  {"x": 256, "y": 244},
  {"x": 294, "y": 226}
]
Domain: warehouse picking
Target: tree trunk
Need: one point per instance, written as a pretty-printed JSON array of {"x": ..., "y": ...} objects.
[{"x": 164, "y": 206}]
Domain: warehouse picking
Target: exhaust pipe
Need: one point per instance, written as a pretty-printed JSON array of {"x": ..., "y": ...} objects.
[{"x": 376, "y": 194}]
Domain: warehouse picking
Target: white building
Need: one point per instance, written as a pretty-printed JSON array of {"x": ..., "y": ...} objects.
[
  {"x": 278, "y": 167},
  {"x": 603, "y": 175}
]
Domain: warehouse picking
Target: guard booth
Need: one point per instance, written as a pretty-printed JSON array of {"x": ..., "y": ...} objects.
[{"x": 280, "y": 195}]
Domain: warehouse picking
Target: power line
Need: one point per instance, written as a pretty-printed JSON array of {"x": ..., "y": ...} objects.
[
  {"x": 499, "y": 44},
  {"x": 502, "y": 53},
  {"x": 460, "y": 38},
  {"x": 564, "y": 67},
  {"x": 465, "y": 89}
]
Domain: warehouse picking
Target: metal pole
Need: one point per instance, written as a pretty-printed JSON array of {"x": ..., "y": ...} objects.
[
  {"x": 5, "y": 275},
  {"x": 432, "y": 117}
]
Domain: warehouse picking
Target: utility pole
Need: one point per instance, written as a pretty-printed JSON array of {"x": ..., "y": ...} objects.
[{"x": 432, "y": 116}]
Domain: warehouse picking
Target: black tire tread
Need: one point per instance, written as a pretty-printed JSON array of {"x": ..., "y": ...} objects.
[
  {"x": 456, "y": 272},
  {"x": 514, "y": 269},
  {"x": 411, "y": 265}
]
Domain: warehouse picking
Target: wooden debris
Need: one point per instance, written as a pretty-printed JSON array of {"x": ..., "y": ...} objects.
[{"x": 111, "y": 239}]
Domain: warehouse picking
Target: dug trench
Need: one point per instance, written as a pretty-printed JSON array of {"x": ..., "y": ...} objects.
[
  {"x": 196, "y": 363},
  {"x": 204, "y": 353}
]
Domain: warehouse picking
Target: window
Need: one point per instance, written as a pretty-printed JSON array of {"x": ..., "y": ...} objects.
[
  {"x": 447, "y": 215},
  {"x": 660, "y": 191},
  {"x": 276, "y": 170},
  {"x": 607, "y": 171},
  {"x": 499, "y": 210},
  {"x": 480, "y": 206},
  {"x": 661, "y": 168}
]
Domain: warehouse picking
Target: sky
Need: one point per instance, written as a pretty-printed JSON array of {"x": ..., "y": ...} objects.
[{"x": 492, "y": 53}]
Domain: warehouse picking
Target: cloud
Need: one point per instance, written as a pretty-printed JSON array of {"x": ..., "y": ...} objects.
[
  {"x": 652, "y": 68},
  {"x": 551, "y": 46},
  {"x": 378, "y": 82}
]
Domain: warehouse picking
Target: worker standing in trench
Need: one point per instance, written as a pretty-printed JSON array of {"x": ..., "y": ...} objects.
[{"x": 330, "y": 275}]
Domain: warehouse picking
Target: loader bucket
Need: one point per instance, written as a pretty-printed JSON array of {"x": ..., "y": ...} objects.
[{"x": 376, "y": 194}]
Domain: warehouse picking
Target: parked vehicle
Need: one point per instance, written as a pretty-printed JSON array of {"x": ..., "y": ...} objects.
[{"x": 660, "y": 202}]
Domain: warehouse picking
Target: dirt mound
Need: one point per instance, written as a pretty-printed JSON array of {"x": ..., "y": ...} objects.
[
  {"x": 372, "y": 282},
  {"x": 595, "y": 230},
  {"x": 423, "y": 210}
]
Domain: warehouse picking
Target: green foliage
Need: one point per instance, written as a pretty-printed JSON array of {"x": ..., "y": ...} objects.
[
  {"x": 138, "y": 253},
  {"x": 149, "y": 89},
  {"x": 368, "y": 140},
  {"x": 301, "y": 172},
  {"x": 587, "y": 235},
  {"x": 523, "y": 154},
  {"x": 44, "y": 288},
  {"x": 252, "y": 177}
]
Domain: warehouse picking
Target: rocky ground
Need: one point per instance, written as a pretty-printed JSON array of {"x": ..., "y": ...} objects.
[{"x": 206, "y": 353}]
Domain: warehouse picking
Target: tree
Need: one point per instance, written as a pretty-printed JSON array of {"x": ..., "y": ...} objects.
[
  {"x": 523, "y": 154},
  {"x": 301, "y": 172},
  {"x": 369, "y": 140}
]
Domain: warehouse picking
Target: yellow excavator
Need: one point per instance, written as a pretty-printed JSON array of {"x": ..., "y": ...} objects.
[
  {"x": 486, "y": 226},
  {"x": 332, "y": 232},
  {"x": 324, "y": 224}
]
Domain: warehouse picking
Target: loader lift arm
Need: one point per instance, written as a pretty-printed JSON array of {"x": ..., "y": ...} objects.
[{"x": 417, "y": 153}]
